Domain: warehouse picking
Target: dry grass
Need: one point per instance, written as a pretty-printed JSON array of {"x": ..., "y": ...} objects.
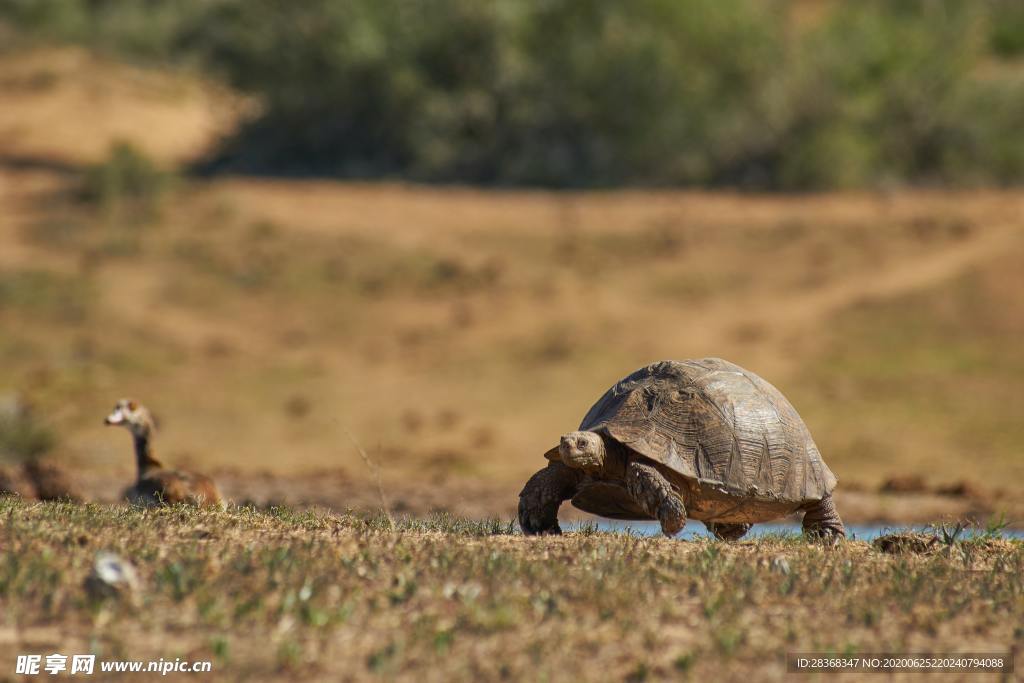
[{"x": 273, "y": 595}]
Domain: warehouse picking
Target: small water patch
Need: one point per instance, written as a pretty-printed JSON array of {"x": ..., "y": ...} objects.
[{"x": 693, "y": 530}]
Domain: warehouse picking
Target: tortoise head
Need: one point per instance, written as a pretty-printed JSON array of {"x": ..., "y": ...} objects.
[
  {"x": 582, "y": 450},
  {"x": 133, "y": 415}
]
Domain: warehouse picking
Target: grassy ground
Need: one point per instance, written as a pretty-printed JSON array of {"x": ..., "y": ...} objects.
[{"x": 270, "y": 595}]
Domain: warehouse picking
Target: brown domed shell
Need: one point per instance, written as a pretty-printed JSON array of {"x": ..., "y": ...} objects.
[{"x": 713, "y": 421}]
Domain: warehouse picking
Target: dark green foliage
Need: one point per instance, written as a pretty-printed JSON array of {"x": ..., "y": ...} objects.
[
  {"x": 595, "y": 92},
  {"x": 146, "y": 29},
  {"x": 1007, "y": 33},
  {"x": 561, "y": 93},
  {"x": 894, "y": 97}
]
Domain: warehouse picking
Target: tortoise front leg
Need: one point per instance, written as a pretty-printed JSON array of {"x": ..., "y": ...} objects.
[
  {"x": 655, "y": 496},
  {"x": 822, "y": 521},
  {"x": 728, "y": 532},
  {"x": 543, "y": 494}
]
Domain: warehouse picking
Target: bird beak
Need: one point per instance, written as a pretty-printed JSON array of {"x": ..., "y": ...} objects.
[{"x": 114, "y": 419}]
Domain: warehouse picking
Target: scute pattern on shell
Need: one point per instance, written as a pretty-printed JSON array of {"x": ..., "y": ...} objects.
[{"x": 713, "y": 421}]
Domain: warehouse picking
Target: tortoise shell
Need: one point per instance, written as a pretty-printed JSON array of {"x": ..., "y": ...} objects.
[{"x": 722, "y": 429}]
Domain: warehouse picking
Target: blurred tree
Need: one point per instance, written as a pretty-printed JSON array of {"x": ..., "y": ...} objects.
[{"x": 570, "y": 93}]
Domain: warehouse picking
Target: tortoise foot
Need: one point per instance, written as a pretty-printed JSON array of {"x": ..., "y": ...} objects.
[
  {"x": 541, "y": 497},
  {"x": 672, "y": 515},
  {"x": 656, "y": 497},
  {"x": 822, "y": 522}
]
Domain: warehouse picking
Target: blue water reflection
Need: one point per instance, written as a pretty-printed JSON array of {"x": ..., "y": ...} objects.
[{"x": 861, "y": 532}]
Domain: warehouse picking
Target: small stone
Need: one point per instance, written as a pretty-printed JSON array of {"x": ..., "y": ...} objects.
[{"x": 112, "y": 577}]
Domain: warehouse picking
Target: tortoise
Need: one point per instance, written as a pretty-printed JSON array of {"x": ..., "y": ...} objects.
[{"x": 704, "y": 438}]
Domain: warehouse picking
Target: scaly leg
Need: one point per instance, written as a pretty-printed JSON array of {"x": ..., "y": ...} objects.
[
  {"x": 543, "y": 494},
  {"x": 822, "y": 521},
  {"x": 655, "y": 496}
]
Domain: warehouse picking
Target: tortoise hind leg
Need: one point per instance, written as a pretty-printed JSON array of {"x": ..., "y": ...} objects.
[
  {"x": 822, "y": 521},
  {"x": 543, "y": 494},
  {"x": 655, "y": 496},
  {"x": 728, "y": 532}
]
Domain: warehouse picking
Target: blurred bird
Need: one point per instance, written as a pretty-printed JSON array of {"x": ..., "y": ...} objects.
[{"x": 156, "y": 485}]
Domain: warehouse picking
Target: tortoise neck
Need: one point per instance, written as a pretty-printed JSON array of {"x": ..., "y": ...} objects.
[{"x": 616, "y": 457}]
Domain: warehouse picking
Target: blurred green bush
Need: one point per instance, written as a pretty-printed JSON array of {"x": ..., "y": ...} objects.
[
  {"x": 22, "y": 436},
  {"x": 126, "y": 180},
  {"x": 572, "y": 93}
]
